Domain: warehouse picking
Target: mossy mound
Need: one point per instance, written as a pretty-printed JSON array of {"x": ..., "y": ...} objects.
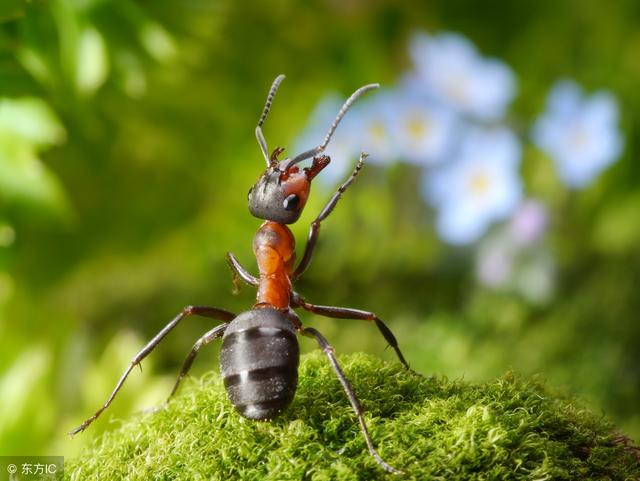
[{"x": 431, "y": 428}]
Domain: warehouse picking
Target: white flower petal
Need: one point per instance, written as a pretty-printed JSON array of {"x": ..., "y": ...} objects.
[
  {"x": 449, "y": 65},
  {"x": 479, "y": 186},
  {"x": 579, "y": 133}
]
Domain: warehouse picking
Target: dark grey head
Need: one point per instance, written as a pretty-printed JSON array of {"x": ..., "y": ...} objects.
[{"x": 282, "y": 191}]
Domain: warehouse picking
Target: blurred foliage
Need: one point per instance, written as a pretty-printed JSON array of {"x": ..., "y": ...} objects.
[{"x": 127, "y": 149}]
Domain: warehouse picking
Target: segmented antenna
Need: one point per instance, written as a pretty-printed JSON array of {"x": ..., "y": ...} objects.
[
  {"x": 316, "y": 150},
  {"x": 261, "y": 141}
]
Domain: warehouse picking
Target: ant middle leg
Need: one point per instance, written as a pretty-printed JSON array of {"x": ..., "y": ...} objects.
[
  {"x": 349, "y": 313},
  {"x": 314, "y": 230},
  {"x": 355, "y": 403},
  {"x": 208, "y": 337},
  {"x": 204, "y": 311}
]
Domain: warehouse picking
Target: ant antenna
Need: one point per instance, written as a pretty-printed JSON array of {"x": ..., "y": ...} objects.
[
  {"x": 267, "y": 106},
  {"x": 316, "y": 150}
]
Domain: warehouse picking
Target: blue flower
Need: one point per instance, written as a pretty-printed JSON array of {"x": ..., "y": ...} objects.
[
  {"x": 423, "y": 128},
  {"x": 373, "y": 118},
  {"x": 479, "y": 186},
  {"x": 452, "y": 69},
  {"x": 579, "y": 133}
]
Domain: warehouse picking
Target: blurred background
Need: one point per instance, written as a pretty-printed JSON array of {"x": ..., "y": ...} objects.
[{"x": 496, "y": 226}]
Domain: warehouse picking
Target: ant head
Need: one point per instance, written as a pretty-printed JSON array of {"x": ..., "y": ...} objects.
[{"x": 281, "y": 192}]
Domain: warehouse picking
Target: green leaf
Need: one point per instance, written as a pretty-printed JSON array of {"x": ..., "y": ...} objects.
[
  {"x": 157, "y": 41},
  {"x": 31, "y": 120},
  {"x": 92, "y": 62},
  {"x": 11, "y": 9},
  {"x": 18, "y": 382},
  {"x": 35, "y": 63},
  {"x": 25, "y": 179},
  {"x": 614, "y": 231}
]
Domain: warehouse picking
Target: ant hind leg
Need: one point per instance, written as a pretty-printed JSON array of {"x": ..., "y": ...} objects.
[
  {"x": 355, "y": 403},
  {"x": 204, "y": 311},
  {"x": 208, "y": 337}
]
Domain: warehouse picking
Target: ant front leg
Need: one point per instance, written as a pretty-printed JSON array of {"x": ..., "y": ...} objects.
[
  {"x": 355, "y": 403},
  {"x": 211, "y": 312},
  {"x": 314, "y": 230},
  {"x": 348, "y": 313}
]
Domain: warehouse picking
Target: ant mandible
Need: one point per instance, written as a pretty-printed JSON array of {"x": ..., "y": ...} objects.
[{"x": 260, "y": 354}]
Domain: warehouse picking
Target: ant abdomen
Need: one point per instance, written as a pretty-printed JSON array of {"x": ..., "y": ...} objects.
[{"x": 259, "y": 362}]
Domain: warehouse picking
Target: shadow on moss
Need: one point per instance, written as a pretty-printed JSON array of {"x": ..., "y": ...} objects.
[{"x": 508, "y": 428}]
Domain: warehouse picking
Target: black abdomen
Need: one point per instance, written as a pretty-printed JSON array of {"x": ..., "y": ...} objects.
[{"x": 259, "y": 362}]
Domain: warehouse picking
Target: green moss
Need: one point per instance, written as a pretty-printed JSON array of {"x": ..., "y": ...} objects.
[{"x": 431, "y": 428}]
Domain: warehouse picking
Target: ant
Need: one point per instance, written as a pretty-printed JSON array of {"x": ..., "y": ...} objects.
[{"x": 260, "y": 353}]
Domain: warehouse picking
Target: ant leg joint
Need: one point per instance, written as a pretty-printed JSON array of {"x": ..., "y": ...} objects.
[{"x": 329, "y": 350}]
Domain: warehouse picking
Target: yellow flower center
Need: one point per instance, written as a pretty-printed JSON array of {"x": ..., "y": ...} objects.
[
  {"x": 377, "y": 131},
  {"x": 417, "y": 128},
  {"x": 480, "y": 183}
]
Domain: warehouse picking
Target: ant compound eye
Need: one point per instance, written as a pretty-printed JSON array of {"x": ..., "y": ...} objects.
[
  {"x": 249, "y": 193},
  {"x": 291, "y": 202}
]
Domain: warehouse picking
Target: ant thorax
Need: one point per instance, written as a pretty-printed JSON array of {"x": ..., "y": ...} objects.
[{"x": 274, "y": 247}]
